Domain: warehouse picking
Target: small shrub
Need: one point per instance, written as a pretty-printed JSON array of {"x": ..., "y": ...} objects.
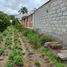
[
  {"x": 1, "y": 51},
  {"x": 5, "y": 33},
  {"x": 34, "y": 40},
  {"x": 9, "y": 64},
  {"x": 8, "y": 43},
  {"x": 4, "y": 21},
  {"x": 19, "y": 60}
]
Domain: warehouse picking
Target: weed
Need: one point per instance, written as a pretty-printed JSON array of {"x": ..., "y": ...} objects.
[
  {"x": 9, "y": 64},
  {"x": 19, "y": 60},
  {"x": 1, "y": 51},
  {"x": 38, "y": 63}
]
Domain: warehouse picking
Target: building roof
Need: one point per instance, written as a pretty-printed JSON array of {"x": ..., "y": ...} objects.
[
  {"x": 32, "y": 12},
  {"x": 27, "y": 14},
  {"x": 42, "y": 5}
]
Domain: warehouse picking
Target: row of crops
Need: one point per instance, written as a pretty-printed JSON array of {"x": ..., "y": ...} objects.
[{"x": 13, "y": 45}]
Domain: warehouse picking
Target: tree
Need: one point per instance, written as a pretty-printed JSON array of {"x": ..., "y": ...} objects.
[
  {"x": 23, "y": 10},
  {"x": 4, "y": 21}
]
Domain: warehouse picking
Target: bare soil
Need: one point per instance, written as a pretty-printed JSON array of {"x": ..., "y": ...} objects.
[
  {"x": 31, "y": 59},
  {"x": 4, "y": 57},
  {"x": 31, "y": 56}
]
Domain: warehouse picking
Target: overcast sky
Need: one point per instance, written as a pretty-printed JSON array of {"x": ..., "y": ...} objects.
[{"x": 12, "y": 6}]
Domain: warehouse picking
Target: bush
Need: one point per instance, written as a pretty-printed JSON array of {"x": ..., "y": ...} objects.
[{"x": 4, "y": 21}]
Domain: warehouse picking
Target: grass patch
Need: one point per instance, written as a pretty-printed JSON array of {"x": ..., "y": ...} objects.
[
  {"x": 16, "y": 56},
  {"x": 51, "y": 57}
]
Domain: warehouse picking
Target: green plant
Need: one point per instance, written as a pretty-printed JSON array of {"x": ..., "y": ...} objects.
[
  {"x": 0, "y": 37},
  {"x": 1, "y": 51},
  {"x": 38, "y": 63},
  {"x": 19, "y": 60},
  {"x": 4, "y": 21},
  {"x": 8, "y": 42},
  {"x": 50, "y": 55},
  {"x": 9, "y": 64},
  {"x": 34, "y": 39},
  {"x": 45, "y": 38},
  {"x": 5, "y": 33}
]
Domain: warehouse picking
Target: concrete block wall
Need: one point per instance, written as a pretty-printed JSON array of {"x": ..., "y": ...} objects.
[{"x": 51, "y": 18}]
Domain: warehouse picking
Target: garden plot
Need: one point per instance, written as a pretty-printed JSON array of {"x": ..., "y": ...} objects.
[
  {"x": 20, "y": 49},
  {"x": 33, "y": 58},
  {"x": 11, "y": 54}
]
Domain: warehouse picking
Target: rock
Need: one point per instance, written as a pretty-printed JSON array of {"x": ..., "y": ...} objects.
[
  {"x": 56, "y": 46},
  {"x": 62, "y": 55},
  {"x": 63, "y": 51},
  {"x": 46, "y": 44},
  {"x": 53, "y": 45},
  {"x": 1, "y": 58}
]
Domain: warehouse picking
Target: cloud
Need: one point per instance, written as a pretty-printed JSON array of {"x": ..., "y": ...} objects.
[{"x": 13, "y": 6}]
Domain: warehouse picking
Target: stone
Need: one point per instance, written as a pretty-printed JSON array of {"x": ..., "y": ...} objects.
[
  {"x": 62, "y": 56},
  {"x": 1, "y": 58},
  {"x": 46, "y": 44},
  {"x": 53, "y": 45}
]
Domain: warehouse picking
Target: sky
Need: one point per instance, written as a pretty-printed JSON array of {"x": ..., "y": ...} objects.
[{"x": 12, "y": 6}]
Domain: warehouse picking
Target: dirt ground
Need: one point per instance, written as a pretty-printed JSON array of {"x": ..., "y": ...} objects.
[
  {"x": 31, "y": 56},
  {"x": 4, "y": 57},
  {"x": 34, "y": 56}
]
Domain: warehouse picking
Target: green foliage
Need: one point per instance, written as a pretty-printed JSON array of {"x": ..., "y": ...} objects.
[
  {"x": 23, "y": 10},
  {"x": 8, "y": 42},
  {"x": 4, "y": 21},
  {"x": 9, "y": 64},
  {"x": 45, "y": 38},
  {"x": 34, "y": 39},
  {"x": 0, "y": 38},
  {"x": 38, "y": 63},
  {"x": 19, "y": 60},
  {"x": 54, "y": 59},
  {"x": 1, "y": 51},
  {"x": 18, "y": 26},
  {"x": 14, "y": 20},
  {"x": 5, "y": 33},
  {"x": 16, "y": 56}
]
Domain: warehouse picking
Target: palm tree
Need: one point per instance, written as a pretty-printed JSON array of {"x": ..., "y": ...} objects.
[{"x": 23, "y": 10}]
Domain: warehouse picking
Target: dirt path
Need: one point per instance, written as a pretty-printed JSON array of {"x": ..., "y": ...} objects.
[
  {"x": 31, "y": 58},
  {"x": 3, "y": 42},
  {"x": 3, "y": 58},
  {"x": 26, "y": 52}
]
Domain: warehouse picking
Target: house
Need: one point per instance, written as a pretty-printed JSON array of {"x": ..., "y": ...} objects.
[
  {"x": 50, "y": 18},
  {"x": 27, "y": 20}
]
